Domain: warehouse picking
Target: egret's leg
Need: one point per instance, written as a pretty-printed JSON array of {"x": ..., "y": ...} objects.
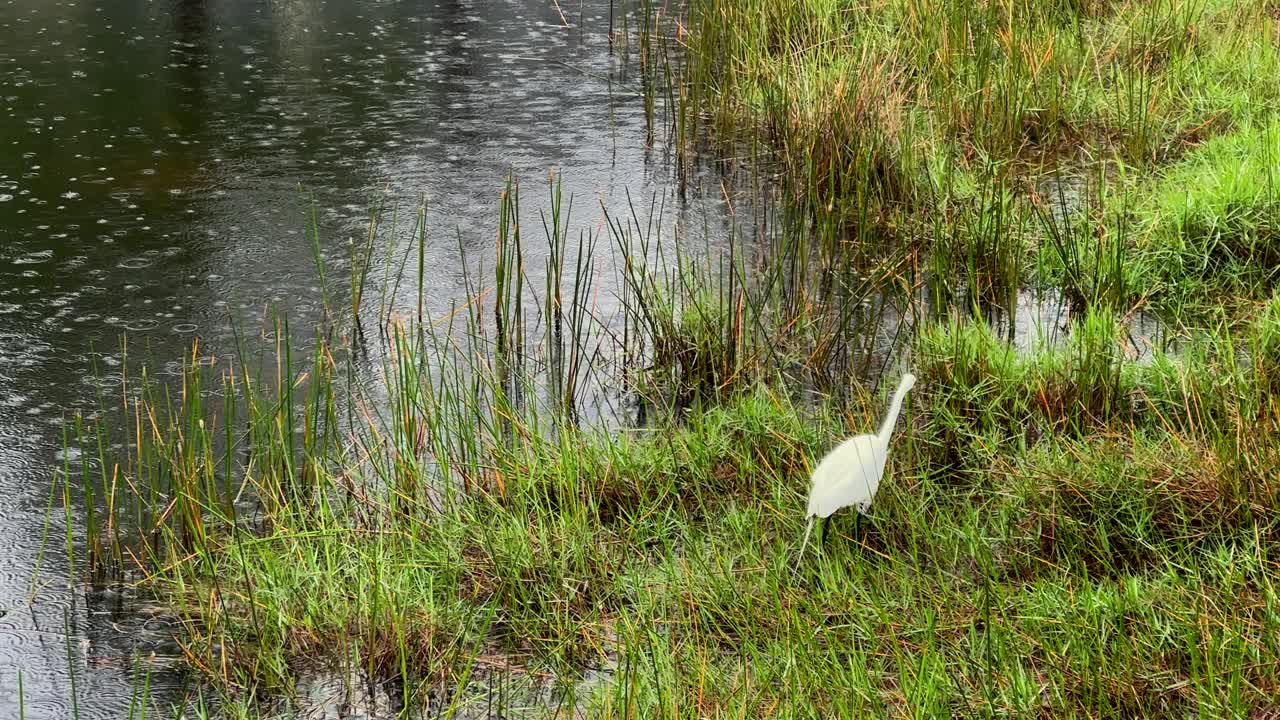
[{"x": 808, "y": 528}]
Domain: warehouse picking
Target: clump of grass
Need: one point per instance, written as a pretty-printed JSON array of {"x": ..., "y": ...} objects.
[
  {"x": 984, "y": 79},
  {"x": 996, "y": 398},
  {"x": 994, "y": 393},
  {"x": 980, "y": 240},
  {"x": 1087, "y": 246},
  {"x": 836, "y": 117},
  {"x": 1106, "y": 505},
  {"x": 884, "y": 121},
  {"x": 1215, "y": 217},
  {"x": 706, "y": 326},
  {"x": 839, "y": 119}
]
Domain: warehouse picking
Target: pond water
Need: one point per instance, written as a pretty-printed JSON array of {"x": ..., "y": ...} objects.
[{"x": 153, "y": 156}]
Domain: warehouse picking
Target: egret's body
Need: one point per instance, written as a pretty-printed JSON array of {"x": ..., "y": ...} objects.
[{"x": 851, "y": 473}]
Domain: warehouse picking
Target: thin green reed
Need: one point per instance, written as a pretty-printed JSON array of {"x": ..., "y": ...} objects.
[
  {"x": 1271, "y": 142},
  {"x": 110, "y": 490},
  {"x": 432, "y": 387},
  {"x": 406, "y": 430},
  {"x": 140, "y": 697},
  {"x": 553, "y": 309},
  {"x": 195, "y": 465},
  {"x": 285, "y": 417},
  {"x": 648, "y": 71},
  {"x": 671, "y": 108},
  {"x": 472, "y": 415},
  {"x": 508, "y": 311},
  {"x": 626, "y": 30},
  {"x": 204, "y": 427},
  {"x": 88, "y": 492},
  {"x": 1135, "y": 86},
  {"x": 67, "y": 514},
  {"x": 317, "y": 255},
  {"x": 580, "y": 316},
  {"x": 564, "y": 352},
  {"x": 99, "y": 559},
  {"x": 229, "y": 395},
  {"x": 421, "y": 233},
  {"x": 147, "y": 469},
  {"x": 33, "y": 588},
  {"x": 362, "y": 262}
]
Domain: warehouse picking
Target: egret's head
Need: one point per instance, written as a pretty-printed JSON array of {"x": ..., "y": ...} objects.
[{"x": 908, "y": 382}]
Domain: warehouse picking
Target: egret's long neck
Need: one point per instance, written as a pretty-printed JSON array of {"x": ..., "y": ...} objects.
[{"x": 891, "y": 419}]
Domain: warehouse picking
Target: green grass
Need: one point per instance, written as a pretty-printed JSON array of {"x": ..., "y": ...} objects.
[
  {"x": 1215, "y": 217},
  {"x": 1065, "y": 531},
  {"x": 1050, "y": 542},
  {"x": 930, "y": 122}
]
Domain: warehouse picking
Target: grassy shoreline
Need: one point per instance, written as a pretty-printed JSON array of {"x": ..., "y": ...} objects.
[
  {"x": 959, "y": 122},
  {"x": 1088, "y": 573},
  {"x": 1066, "y": 531}
]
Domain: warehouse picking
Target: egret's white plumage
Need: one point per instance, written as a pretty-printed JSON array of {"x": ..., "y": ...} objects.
[{"x": 850, "y": 474}]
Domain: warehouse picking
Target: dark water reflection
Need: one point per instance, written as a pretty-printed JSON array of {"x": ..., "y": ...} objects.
[{"x": 149, "y": 184}]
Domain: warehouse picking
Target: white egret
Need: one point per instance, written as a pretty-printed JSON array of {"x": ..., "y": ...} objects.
[{"x": 850, "y": 474}]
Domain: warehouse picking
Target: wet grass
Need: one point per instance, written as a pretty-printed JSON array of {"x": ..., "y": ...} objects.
[
  {"x": 1064, "y": 532},
  {"x": 1214, "y": 218},
  {"x": 543, "y": 482},
  {"x": 932, "y": 121}
]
